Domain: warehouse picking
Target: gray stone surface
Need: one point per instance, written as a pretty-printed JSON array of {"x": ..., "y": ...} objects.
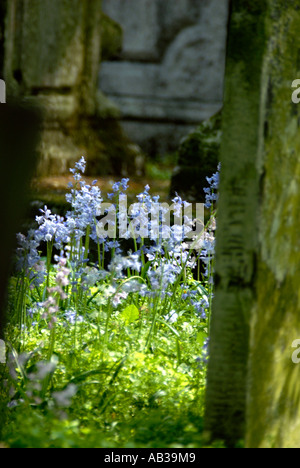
[
  {"x": 155, "y": 137},
  {"x": 52, "y": 58},
  {"x": 141, "y": 29},
  {"x": 171, "y": 68}
]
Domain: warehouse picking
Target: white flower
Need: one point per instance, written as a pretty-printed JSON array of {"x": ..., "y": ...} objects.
[{"x": 63, "y": 398}]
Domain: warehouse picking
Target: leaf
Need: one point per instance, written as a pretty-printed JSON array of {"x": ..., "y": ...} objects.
[
  {"x": 201, "y": 337},
  {"x": 85, "y": 375},
  {"x": 170, "y": 327},
  {"x": 130, "y": 314}
]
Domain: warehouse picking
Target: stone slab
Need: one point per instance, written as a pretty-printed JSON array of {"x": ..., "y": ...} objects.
[
  {"x": 169, "y": 110},
  {"x": 156, "y": 137},
  {"x": 172, "y": 65},
  {"x": 139, "y": 20}
]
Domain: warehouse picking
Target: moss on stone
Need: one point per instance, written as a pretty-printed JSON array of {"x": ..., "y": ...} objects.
[
  {"x": 111, "y": 38},
  {"x": 109, "y": 151},
  {"x": 273, "y": 418},
  {"x": 247, "y": 20},
  {"x": 198, "y": 157}
]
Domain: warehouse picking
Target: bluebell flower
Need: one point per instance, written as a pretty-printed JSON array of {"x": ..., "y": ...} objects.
[
  {"x": 145, "y": 199},
  {"x": 91, "y": 276},
  {"x": 30, "y": 312},
  {"x": 124, "y": 184},
  {"x": 86, "y": 205},
  {"x": 211, "y": 192},
  {"x": 114, "y": 244},
  {"x": 200, "y": 308},
  {"x": 135, "y": 286},
  {"x": 133, "y": 262},
  {"x": 203, "y": 359},
  {"x": 72, "y": 317},
  {"x": 119, "y": 264},
  {"x": 116, "y": 186},
  {"x": 52, "y": 228},
  {"x": 163, "y": 276},
  {"x": 116, "y": 267},
  {"x": 28, "y": 258},
  {"x": 81, "y": 165}
]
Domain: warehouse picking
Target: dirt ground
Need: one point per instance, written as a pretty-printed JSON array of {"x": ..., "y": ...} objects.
[{"x": 57, "y": 186}]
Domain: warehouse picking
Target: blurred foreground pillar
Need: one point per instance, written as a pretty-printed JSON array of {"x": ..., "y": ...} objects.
[
  {"x": 253, "y": 387},
  {"x": 19, "y": 132}
]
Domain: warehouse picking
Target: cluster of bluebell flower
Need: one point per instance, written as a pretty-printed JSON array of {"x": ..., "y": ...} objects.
[
  {"x": 160, "y": 262},
  {"x": 79, "y": 293},
  {"x": 211, "y": 192}
]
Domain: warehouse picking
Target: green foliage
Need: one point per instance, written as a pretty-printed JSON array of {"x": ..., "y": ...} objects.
[
  {"x": 99, "y": 357},
  {"x": 125, "y": 394},
  {"x": 198, "y": 156}
]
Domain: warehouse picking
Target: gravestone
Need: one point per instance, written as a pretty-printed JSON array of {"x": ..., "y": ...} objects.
[
  {"x": 52, "y": 57},
  {"x": 253, "y": 389},
  {"x": 168, "y": 77}
]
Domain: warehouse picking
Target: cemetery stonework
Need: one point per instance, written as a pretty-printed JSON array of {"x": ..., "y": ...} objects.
[
  {"x": 168, "y": 77},
  {"x": 53, "y": 51}
]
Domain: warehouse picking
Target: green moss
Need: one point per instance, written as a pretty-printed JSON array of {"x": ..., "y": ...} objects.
[
  {"x": 274, "y": 382},
  {"x": 109, "y": 151},
  {"x": 274, "y": 393},
  {"x": 281, "y": 210},
  {"x": 248, "y": 20},
  {"x": 111, "y": 38},
  {"x": 198, "y": 157}
]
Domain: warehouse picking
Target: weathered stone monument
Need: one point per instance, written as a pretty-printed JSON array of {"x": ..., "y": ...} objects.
[
  {"x": 253, "y": 386},
  {"x": 52, "y": 58},
  {"x": 168, "y": 77}
]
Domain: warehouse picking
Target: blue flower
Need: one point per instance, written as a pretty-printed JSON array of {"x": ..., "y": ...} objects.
[
  {"x": 86, "y": 204},
  {"x": 211, "y": 194},
  {"x": 52, "y": 228},
  {"x": 113, "y": 245},
  {"x": 133, "y": 262},
  {"x": 28, "y": 258},
  {"x": 124, "y": 184},
  {"x": 81, "y": 165},
  {"x": 163, "y": 276},
  {"x": 200, "y": 307},
  {"x": 72, "y": 317},
  {"x": 203, "y": 359}
]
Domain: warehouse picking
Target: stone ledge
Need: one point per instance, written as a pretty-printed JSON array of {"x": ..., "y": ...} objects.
[{"x": 169, "y": 110}]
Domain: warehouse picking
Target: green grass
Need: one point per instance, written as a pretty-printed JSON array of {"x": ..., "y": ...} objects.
[
  {"x": 100, "y": 359},
  {"x": 126, "y": 393}
]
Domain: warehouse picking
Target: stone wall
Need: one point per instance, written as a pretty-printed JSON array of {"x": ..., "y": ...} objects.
[
  {"x": 169, "y": 75},
  {"x": 52, "y": 57}
]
